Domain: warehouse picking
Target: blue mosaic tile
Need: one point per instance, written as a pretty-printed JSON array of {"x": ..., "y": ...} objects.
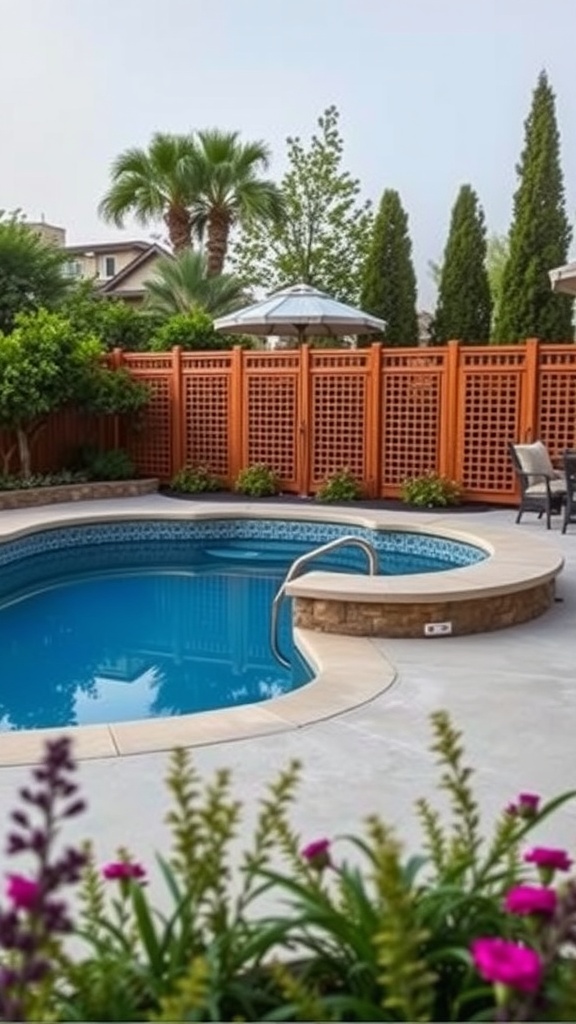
[{"x": 314, "y": 533}]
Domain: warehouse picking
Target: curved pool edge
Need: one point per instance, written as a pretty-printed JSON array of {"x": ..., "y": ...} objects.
[{"x": 350, "y": 671}]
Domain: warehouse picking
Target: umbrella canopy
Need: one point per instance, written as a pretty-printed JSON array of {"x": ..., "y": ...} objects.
[
  {"x": 302, "y": 311},
  {"x": 563, "y": 279}
]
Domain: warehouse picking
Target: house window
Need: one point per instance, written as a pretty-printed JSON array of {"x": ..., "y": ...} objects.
[
  {"x": 108, "y": 266},
  {"x": 73, "y": 268}
]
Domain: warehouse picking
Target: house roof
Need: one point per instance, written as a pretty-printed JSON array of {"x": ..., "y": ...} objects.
[
  {"x": 152, "y": 251},
  {"x": 111, "y": 247}
]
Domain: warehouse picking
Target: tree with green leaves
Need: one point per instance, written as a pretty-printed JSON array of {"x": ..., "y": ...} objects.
[
  {"x": 389, "y": 281},
  {"x": 324, "y": 237},
  {"x": 115, "y": 323},
  {"x": 540, "y": 234},
  {"x": 497, "y": 253},
  {"x": 464, "y": 306},
  {"x": 31, "y": 272},
  {"x": 194, "y": 331},
  {"x": 183, "y": 284},
  {"x": 45, "y": 366}
]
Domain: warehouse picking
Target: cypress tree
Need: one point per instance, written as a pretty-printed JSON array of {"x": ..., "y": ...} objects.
[
  {"x": 389, "y": 281},
  {"x": 464, "y": 305},
  {"x": 540, "y": 234}
]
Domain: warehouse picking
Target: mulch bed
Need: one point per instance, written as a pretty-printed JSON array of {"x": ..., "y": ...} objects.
[{"x": 384, "y": 504}]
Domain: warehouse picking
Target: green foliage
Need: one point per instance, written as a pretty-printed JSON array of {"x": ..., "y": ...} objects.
[
  {"x": 195, "y": 479},
  {"x": 497, "y": 253},
  {"x": 464, "y": 307},
  {"x": 195, "y": 332},
  {"x": 182, "y": 285},
  {"x": 325, "y": 234},
  {"x": 369, "y": 935},
  {"x": 340, "y": 486},
  {"x": 431, "y": 491},
  {"x": 31, "y": 272},
  {"x": 540, "y": 234},
  {"x": 111, "y": 464},
  {"x": 389, "y": 281},
  {"x": 14, "y": 482},
  {"x": 229, "y": 192},
  {"x": 258, "y": 480},
  {"x": 115, "y": 323}
]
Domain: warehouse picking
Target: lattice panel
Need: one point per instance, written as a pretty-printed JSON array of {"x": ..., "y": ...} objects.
[
  {"x": 410, "y": 425},
  {"x": 151, "y": 444},
  {"x": 489, "y": 420},
  {"x": 557, "y": 411},
  {"x": 338, "y": 425},
  {"x": 271, "y": 404},
  {"x": 207, "y": 421}
]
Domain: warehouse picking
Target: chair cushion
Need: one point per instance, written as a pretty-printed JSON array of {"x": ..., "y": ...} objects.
[
  {"x": 557, "y": 487},
  {"x": 534, "y": 459}
]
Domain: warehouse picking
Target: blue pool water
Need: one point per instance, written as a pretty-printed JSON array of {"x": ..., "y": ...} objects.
[{"x": 139, "y": 620}]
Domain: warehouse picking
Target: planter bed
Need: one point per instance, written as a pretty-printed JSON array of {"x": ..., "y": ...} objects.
[{"x": 89, "y": 491}]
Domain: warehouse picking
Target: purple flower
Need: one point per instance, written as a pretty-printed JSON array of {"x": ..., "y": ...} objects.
[
  {"x": 22, "y": 892},
  {"x": 547, "y": 857},
  {"x": 530, "y": 899},
  {"x": 317, "y": 854},
  {"x": 526, "y": 806},
  {"x": 506, "y": 963},
  {"x": 122, "y": 870}
]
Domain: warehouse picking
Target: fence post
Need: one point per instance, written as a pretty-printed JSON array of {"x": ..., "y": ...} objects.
[
  {"x": 373, "y": 436},
  {"x": 302, "y": 428},
  {"x": 450, "y": 443},
  {"x": 529, "y": 400},
  {"x": 237, "y": 428},
  {"x": 178, "y": 424}
]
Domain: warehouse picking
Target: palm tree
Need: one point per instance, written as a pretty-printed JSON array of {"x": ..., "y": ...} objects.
[
  {"x": 228, "y": 190},
  {"x": 152, "y": 184},
  {"x": 183, "y": 285}
]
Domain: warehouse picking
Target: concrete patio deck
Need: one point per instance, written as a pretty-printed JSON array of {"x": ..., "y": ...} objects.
[{"x": 513, "y": 693}]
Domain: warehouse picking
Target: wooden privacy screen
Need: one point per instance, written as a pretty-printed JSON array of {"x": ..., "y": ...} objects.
[{"x": 385, "y": 414}]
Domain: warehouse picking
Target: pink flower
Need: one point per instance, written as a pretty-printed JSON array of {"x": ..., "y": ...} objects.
[
  {"x": 22, "y": 891},
  {"x": 317, "y": 854},
  {"x": 530, "y": 899},
  {"x": 506, "y": 963},
  {"x": 526, "y": 806},
  {"x": 546, "y": 857},
  {"x": 123, "y": 869}
]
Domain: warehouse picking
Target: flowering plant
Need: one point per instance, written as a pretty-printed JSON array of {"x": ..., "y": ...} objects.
[{"x": 480, "y": 926}]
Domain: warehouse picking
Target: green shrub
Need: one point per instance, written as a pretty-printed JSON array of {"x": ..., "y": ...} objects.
[
  {"x": 194, "y": 332},
  {"x": 114, "y": 464},
  {"x": 431, "y": 491},
  {"x": 340, "y": 486},
  {"x": 9, "y": 482},
  {"x": 258, "y": 481},
  {"x": 195, "y": 479}
]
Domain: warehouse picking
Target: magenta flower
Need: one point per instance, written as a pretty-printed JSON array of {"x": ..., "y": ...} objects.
[
  {"x": 547, "y": 857},
  {"x": 506, "y": 963},
  {"x": 530, "y": 899},
  {"x": 123, "y": 869},
  {"x": 23, "y": 892},
  {"x": 526, "y": 806},
  {"x": 317, "y": 854}
]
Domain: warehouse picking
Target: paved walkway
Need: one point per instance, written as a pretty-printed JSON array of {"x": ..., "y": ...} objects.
[{"x": 513, "y": 693}]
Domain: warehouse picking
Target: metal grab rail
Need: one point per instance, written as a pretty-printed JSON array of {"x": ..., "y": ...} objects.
[{"x": 294, "y": 570}]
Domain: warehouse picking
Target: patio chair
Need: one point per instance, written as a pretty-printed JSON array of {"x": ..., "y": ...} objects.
[
  {"x": 542, "y": 488},
  {"x": 570, "y": 476}
]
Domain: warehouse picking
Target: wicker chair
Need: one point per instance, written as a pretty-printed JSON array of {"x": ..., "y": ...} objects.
[
  {"x": 542, "y": 488},
  {"x": 570, "y": 476}
]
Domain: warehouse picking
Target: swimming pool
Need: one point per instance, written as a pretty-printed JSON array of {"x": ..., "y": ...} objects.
[{"x": 132, "y": 620}]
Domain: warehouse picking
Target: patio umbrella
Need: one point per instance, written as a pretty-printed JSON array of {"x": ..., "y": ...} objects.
[
  {"x": 302, "y": 311},
  {"x": 563, "y": 279}
]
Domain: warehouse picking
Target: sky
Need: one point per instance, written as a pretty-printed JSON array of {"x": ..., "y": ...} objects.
[{"x": 432, "y": 94}]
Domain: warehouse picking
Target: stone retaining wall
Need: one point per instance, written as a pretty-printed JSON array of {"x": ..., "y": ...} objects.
[
  {"x": 478, "y": 615},
  {"x": 76, "y": 492}
]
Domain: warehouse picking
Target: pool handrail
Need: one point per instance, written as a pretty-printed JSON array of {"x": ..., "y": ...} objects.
[{"x": 294, "y": 570}]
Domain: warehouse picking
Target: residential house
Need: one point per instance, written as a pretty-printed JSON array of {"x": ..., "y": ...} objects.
[{"x": 118, "y": 269}]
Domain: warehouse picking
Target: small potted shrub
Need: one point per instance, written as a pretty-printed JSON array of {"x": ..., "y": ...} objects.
[
  {"x": 340, "y": 486},
  {"x": 431, "y": 491},
  {"x": 258, "y": 481},
  {"x": 195, "y": 479}
]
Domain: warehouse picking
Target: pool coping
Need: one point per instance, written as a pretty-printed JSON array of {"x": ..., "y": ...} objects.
[{"x": 338, "y": 686}]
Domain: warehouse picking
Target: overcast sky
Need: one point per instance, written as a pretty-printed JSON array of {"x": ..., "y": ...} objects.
[{"x": 432, "y": 94}]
